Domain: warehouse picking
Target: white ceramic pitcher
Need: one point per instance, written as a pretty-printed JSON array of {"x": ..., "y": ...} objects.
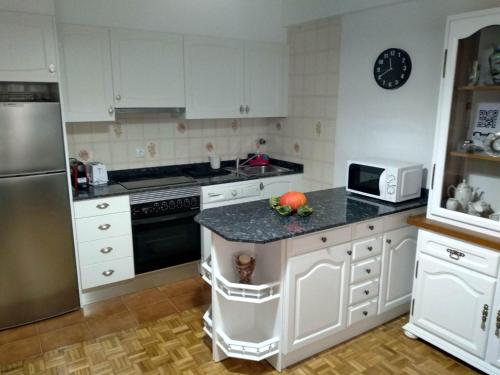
[{"x": 463, "y": 193}]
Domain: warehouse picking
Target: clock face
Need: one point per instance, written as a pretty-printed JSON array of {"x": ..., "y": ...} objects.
[{"x": 392, "y": 68}]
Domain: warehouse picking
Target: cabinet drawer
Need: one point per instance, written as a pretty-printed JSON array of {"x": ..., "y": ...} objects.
[
  {"x": 104, "y": 206},
  {"x": 104, "y": 250},
  {"x": 366, "y": 269},
  {"x": 107, "y": 272},
  {"x": 362, "y": 311},
  {"x": 461, "y": 253},
  {"x": 320, "y": 240},
  {"x": 367, "y": 228},
  {"x": 105, "y": 226},
  {"x": 399, "y": 220},
  {"x": 361, "y": 292},
  {"x": 366, "y": 248}
]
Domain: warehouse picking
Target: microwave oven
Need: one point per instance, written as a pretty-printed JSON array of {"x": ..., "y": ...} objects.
[{"x": 388, "y": 180}]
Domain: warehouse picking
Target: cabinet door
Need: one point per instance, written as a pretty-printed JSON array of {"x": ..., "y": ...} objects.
[
  {"x": 148, "y": 69},
  {"x": 214, "y": 77},
  {"x": 28, "y": 48},
  {"x": 266, "y": 75},
  {"x": 317, "y": 295},
  {"x": 88, "y": 84},
  {"x": 449, "y": 301},
  {"x": 276, "y": 186},
  {"x": 493, "y": 355},
  {"x": 398, "y": 263}
]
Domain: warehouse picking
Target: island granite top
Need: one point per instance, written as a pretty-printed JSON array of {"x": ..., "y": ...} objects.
[{"x": 255, "y": 222}]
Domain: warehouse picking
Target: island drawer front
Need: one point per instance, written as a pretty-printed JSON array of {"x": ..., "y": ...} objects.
[
  {"x": 361, "y": 292},
  {"x": 104, "y": 226},
  {"x": 362, "y": 311},
  {"x": 366, "y": 248},
  {"x": 367, "y": 228},
  {"x": 104, "y": 206},
  {"x": 104, "y": 250},
  {"x": 461, "y": 253},
  {"x": 107, "y": 272},
  {"x": 364, "y": 270},
  {"x": 320, "y": 240}
]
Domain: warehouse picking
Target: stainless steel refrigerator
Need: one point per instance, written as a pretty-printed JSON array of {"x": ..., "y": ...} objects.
[{"x": 37, "y": 263}]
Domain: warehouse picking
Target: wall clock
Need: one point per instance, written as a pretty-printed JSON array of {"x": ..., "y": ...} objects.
[{"x": 392, "y": 68}]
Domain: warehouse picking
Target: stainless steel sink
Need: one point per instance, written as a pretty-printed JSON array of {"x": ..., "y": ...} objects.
[{"x": 264, "y": 170}]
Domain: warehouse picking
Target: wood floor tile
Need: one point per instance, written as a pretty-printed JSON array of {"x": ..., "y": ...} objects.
[
  {"x": 104, "y": 325},
  {"x": 104, "y": 308},
  {"x": 143, "y": 298},
  {"x": 181, "y": 287},
  {"x": 189, "y": 300},
  {"x": 154, "y": 311},
  {"x": 60, "y": 321},
  {"x": 17, "y": 333},
  {"x": 19, "y": 350},
  {"x": 64, "y": 336}
]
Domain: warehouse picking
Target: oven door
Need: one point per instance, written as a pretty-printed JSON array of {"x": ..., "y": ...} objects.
[
  {"x": 366, "y": 180},
  {"x": 165, "y": 241}
]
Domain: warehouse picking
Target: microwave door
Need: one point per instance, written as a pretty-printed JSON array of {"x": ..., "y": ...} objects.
[
  {"x": 381, "y": 184},
  {"x": 365, "y": 180}
]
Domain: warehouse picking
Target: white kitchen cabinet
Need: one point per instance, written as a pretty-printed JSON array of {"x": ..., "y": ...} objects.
[
  {"x": 398, "y": 262},
  {"x": 227, "y": 78},
  {"x": 449, "y": 301},
  {"x": 86, "y": 73},
  {"x": 148, "y": 69},
  {"x": 214, "y": 77},
  {"x": 266, "y": 77},
  {"x": 493, "y": 353},
  {"x": 28, "y": 46},
  {"x": 276, "y": 186},
  {"x": 317, "y": 295}
]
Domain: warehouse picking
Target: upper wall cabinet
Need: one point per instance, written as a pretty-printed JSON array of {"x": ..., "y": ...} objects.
[
  {"x": 28, "y": 48},
  {"x": 87, "y": 78},
  {"x": 148, "y": 69},
  {"x": 228, "y": 78}
]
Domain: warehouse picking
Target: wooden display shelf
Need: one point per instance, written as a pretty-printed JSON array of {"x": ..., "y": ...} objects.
[
  {"x": 480, "y": 88},
  {"x": 473, "y": 155},
  {"x": 484, "y": 240}
]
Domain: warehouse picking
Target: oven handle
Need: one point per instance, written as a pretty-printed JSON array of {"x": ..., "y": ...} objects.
[{"x": 165, "y": 218}]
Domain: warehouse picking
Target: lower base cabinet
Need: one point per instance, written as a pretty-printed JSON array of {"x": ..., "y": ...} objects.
[{"x": 456, "y": 299}]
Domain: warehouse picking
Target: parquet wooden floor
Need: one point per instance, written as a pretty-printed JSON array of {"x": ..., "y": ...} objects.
[{"x": 176, "y": 344}]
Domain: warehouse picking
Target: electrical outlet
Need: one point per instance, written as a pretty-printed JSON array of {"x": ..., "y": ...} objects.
[{"x": 139, "y": 152}]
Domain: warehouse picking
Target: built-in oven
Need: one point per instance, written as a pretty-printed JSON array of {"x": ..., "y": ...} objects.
[{"x": 163, "y": 228}]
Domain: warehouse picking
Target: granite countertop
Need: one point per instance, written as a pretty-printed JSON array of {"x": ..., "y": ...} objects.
[
  {"x": 115, "y": 189},
  {"x": 255, "y": 222}
]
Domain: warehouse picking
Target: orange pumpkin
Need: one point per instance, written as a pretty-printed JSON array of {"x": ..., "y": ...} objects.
[{"x": 294, "y": 199}]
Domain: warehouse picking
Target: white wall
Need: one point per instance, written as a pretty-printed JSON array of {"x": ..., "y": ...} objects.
[
  {"x": 30, "y": 6},
  {"x": 243, "y": 19},
  {"x": 394, "y": 124}
]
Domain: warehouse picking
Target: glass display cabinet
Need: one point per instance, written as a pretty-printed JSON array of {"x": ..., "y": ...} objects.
[{"x": 465, "y": 185}]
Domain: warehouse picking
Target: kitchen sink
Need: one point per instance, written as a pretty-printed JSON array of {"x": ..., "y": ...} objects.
[{"x": 263, "y": 170}]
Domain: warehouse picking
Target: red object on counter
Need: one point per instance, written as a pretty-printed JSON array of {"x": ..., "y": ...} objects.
[{"x": 260, "y": 160}]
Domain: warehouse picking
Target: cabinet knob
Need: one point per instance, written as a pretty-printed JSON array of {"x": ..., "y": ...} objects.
[
  {"x": 104, "y": 226},
  {"x": 371, "y": 227},
  {"x": 388, "y": 240},
  {"x": 247, "y": 109},
  {"x": 261, "y": 186},
  {"x": 106, "y": 250},
  {"x": 118, "y": 97},
  {"x": 234, "y": 193},
  {"x": 365, "y": 313},
  {"x": 52, "y": 68},
  {"x": 111, "y": 110},
  {"x": 367, "y": 292},
  {"x": 349, "y": 252},
  {"x": 324, "y": 239},
  {"x": 102, "y": 206},
  {"x": 242, "y": 109},
  {"x": 368, "y": 270},
  {"x": 370, "y": 248},
  {"x": 108, "y": 273}
]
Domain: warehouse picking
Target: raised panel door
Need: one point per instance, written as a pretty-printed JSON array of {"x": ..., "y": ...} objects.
[
  {"x": 398, "y": 262},
  {"x": 317, "y": 295},
  {"x": 449, "y": 302},
  {"x": 276, "y": 186},
  {"x": 493, "y": 353},
  {"x": 88, "y": 81}
]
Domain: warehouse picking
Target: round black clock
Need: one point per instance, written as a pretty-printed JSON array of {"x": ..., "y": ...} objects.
[{"x": 392, "y": 68}]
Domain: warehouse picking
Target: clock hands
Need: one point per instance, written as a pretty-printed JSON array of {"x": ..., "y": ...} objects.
[{"x": 388, "y": 70}]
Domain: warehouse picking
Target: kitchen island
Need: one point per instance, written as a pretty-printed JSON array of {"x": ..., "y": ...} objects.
[{"x": 318, "y": 280}]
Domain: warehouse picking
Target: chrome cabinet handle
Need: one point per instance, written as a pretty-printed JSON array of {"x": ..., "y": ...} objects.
[
  {"x": 104, "y": 226},
  {"x": 388, "y": 240},
  {"x": 367, "y": 292},
  {"x": 111, "y": 110},
  {"x": 365, "y": 313},
  {"x": 455, "y": 254},
  {"x": 52, "y": 68},
  {"x": 370, "y": 248},
  {"x": 242, "y": 109},
  {"x": 108, "y": 273},
  {"x": 484, "y": 317},
  {"x": 118, "y": 97},
  {"x": 324, "y": 239},
  {"x": 371, "y": 227},
  {"x": 368, "y": 270},
  {"x": 106, "y": 250},
  {"x": 497, "y": 330},
  {"x": 261, "y": 186},
  {"x": 102, "y": 206},
  {"x": 247, "y": 109}
]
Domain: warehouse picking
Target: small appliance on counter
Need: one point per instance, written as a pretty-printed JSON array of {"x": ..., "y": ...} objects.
[
  {"x": 388, "y": 180},
  {"x": 98, "y": 173},
  {"x": 79, "y": 176}
]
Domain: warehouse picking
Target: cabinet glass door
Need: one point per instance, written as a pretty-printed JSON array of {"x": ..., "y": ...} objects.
[{"x": 471, "y": 175}]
